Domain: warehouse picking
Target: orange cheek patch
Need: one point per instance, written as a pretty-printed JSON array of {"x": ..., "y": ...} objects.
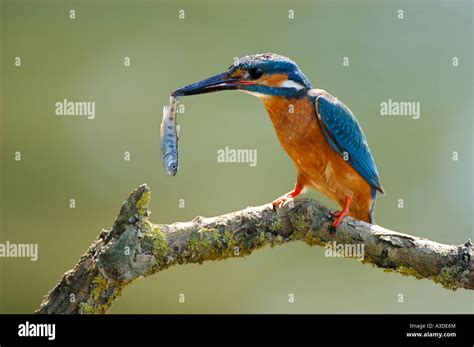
[
  {"x": 239, "y": 73},
  {"x": 274, "y": 80}
]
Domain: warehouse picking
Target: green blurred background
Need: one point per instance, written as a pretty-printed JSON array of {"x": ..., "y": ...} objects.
[{"x": 72, "y": 157}]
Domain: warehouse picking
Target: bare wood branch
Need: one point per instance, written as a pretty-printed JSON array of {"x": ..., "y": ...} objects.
[{"x": 135, "y": 248}]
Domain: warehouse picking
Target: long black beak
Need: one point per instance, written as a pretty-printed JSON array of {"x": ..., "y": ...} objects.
[{"x": 212, "y": 84}]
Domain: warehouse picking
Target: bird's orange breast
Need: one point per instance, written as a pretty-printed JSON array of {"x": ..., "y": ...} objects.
[{"x": 318, "y": 165}]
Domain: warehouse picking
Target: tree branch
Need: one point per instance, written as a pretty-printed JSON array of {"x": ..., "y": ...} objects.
[{"x": 135, "y": 248}]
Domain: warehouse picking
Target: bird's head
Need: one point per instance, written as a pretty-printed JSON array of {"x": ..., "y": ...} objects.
[{"x": 262, "y": 75}]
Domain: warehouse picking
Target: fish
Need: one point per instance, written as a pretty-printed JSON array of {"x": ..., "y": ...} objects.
[{"x": 169, "y": 137}]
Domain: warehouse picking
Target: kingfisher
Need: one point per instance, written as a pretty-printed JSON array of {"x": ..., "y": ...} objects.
[{"x": 318, "y": 132}]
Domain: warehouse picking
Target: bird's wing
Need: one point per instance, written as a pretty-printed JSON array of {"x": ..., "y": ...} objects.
[{"x": 345, "y": 135}]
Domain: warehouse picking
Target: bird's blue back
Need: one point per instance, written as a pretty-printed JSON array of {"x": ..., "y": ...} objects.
[{"x": 344, "y": 134}]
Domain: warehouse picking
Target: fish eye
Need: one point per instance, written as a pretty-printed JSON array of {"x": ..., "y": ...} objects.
[{"x": 255, "y": 73}]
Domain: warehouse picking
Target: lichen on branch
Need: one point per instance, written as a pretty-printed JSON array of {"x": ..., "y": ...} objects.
[{"x": 136, "y": 247}]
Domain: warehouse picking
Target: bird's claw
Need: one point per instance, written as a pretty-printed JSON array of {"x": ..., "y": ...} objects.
[
  {"x": 337, "y": 218},
  {"x": 281, "y": 201}
]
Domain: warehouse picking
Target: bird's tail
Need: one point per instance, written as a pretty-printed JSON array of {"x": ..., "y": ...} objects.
[{"x": 371, "y": 213}]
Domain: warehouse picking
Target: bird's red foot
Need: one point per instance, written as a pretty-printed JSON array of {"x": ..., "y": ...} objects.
[
  {"x": 281, "y": 200},
  {"x": 288, "y": 196},
  {"x": 339, "y": 216}
]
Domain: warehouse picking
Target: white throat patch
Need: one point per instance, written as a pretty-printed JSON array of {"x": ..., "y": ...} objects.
[
  {"x": 258, "y": 95},
  {"x": 292, "y": 84}
]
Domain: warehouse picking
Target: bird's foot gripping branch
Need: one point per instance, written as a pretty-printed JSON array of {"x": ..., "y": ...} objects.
[{"x": 135, "y": 248}]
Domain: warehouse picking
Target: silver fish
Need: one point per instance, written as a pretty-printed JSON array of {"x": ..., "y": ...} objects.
[{"x": 169, "y": 137}]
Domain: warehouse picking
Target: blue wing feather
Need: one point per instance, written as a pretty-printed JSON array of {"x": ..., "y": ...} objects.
[{"x": 344, "y": 134}]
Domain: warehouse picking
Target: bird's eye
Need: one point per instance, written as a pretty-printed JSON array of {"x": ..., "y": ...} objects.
[{"x": 255, "y": 73}]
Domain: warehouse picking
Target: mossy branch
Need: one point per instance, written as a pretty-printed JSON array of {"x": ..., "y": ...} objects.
[{"x": 135, "y": 248}]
